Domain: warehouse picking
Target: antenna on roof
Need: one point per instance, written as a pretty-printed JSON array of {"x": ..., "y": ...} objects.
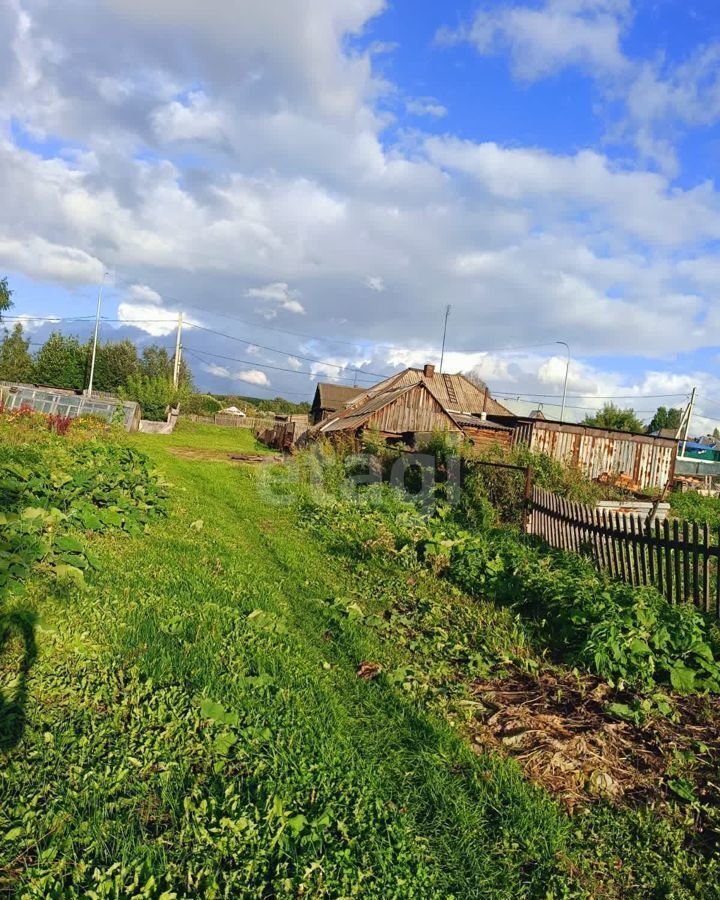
[{"x": 442, "y": 352}]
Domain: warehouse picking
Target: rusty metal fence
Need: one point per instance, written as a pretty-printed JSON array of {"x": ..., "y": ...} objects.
[{"x": 681, "y": 561}]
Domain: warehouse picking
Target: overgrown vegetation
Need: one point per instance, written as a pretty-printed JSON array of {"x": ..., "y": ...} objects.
[
  {"x": 254, "y": 699},
  {"x": 693, "y": 507},
  {"x": 52, "y": 488}
]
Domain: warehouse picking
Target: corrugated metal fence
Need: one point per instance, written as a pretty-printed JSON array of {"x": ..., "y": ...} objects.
[{"x": 682, "y": 562}]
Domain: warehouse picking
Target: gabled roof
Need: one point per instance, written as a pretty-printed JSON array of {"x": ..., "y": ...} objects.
[
  {"x": 455, "y": 393},
  {"x": 355, "y": 416},
  {"x": 334, "y": 396}
]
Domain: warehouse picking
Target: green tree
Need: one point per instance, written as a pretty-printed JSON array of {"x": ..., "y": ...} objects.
[
  {"x": 16, "y": 363},
  {"x": 115, "y": 362},
  {"x": 156, "y": 362},
  {"x": 61, "y": 362},
  {"x": 665, "y": 418},
  {"x": 155, "y": 394},
  {"x": 613, "y": 417},
  {"x": 5, "y": 296}
]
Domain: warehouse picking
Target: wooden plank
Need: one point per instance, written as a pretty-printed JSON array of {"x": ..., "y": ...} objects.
[
  {"x": 601, "y": 541},
  {"x": 621, "y": 547},
  {"x": 696, "y": 564},
  {"x": 643, "y": 551},
  {"x": 667, "y": 552},
  {"x": 685, "y": 558},
  {"x": 717, "y": 576},
  {"x": 615, "y": 566},
  {"x": 706, "y": 567},
  {"x": 648, "y": 531},
  {"x": 660, "y": 558},
  {"x": 676, "y": 560}
]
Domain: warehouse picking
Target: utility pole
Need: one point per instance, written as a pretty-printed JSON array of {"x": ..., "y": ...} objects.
[
  {"x": 95, "y": 338},
  {"x": 442, "y": 352},
  {"x": 691, "y": 405},
  {"x": 567, "y": 372},
  {"x": 178, "y": 351}
]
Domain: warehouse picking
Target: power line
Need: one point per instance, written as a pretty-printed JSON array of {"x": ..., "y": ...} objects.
[
  {"x": 608, "y": 396},
  {"x": 251, "y": 362},
  {"x": 314, "y": 359}
]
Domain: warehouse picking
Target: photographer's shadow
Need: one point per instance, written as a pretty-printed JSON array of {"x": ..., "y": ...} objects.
[{"x": 17, "y": 654}]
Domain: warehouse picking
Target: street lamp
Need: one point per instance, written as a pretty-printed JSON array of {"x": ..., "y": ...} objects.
[{"x": 567, "y": 372}]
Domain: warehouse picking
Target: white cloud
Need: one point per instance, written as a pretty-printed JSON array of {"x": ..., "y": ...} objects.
[
  {"x": 281, "y": 294},
  {"x": 252, "y": 376},
  {"x": 294, "y": 362},
  {"x": 375, "y": 283},
  {"x": 249, "y": 376},
  {"x": 291, "y": 190},
  {"x": 192, "y": 120},
  {"x": 543, "y": 39},
  {"x": 426, "y": 106},
  {"x": 40, "y": 258},
  {"x": 151, "y": 319},
  {"x": 141, "y": 293}
]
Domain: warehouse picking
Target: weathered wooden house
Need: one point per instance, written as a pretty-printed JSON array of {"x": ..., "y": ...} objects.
[
  {"x": 411, "y": 405},
  {"x": 330, "y": 399}
]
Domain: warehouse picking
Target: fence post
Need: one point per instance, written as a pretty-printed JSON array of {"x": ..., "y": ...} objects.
[{"x": 527, "y": 499}]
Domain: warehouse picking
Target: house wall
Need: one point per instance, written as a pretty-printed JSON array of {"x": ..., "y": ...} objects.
[
  {"x": 485, "y": 437},
  {"x": 414, "y": 411},
  {"x": 650, "y": 462}
]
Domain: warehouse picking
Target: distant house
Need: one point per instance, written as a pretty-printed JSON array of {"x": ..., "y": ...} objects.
[
  {"x": 329, "y": 399},
  {"x": 416, "y": 402}
]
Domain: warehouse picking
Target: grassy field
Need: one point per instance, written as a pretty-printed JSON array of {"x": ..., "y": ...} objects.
[{"x": 194, "y": 726}]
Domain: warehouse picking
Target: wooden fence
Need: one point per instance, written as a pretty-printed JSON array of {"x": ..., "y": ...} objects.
[
  {"x": 255, "y": 424},
  {"x": 682, "y": 561}
]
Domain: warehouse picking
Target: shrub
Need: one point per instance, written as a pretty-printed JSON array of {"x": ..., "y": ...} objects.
[
  {"x": 201, "y": 405},
  {"x": 693, "y": 507},
  {"x": 155, "y": 394}
]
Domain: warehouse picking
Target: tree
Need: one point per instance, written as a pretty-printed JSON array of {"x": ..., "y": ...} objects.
[
  {"x": 115, "y": 362},
  {"x": 16, "y": 363},
  {"x": 155, "y": 394},
  {"x": 613, "y": 417},
  {"x": 665, "y": 418},
  {"x": 716, "y": 432},
  {"x": 61, "y": 362},
  {"x": 156, "y": 362},
  {"x": 5, "y": 296}
]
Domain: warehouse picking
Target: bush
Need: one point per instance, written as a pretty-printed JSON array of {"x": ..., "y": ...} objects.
[
  {"x": 200, "y": 405},
  {"x": 693, "y": 507},
  {"x": 630, "y": 636},
  {"x": 155, "y": 394}
]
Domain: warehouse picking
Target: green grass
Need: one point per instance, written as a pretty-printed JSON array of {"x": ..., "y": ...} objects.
[
  {"x": 196, "y": 436},
  {"x": 194, "y": 724}
]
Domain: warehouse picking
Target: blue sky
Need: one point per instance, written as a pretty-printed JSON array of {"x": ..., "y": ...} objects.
[{"x": 323, "y": 178}]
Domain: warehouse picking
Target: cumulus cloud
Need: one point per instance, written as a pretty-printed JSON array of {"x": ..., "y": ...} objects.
[
  {"x": 243, "y": 165},
  {"x": 249, "y": 376},
  {"x": 280, "y": 294},
  {"x": 426, "y": 106},
  {"x": 556, "y": 34}
]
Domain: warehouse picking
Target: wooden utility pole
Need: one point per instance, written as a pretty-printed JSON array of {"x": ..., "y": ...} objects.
[
  {"x": 442, "y": 352},
  {"x": 178, "y": 351}
]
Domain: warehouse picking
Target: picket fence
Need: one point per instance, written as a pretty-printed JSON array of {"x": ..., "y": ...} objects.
[{"x": 682, "y": 562}]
